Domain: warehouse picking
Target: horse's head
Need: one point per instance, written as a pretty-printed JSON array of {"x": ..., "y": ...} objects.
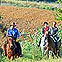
[{"x": 10, "y": 41}]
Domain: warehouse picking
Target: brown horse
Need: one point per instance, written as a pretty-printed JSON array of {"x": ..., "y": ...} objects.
[{"x": 11, "y": 50}]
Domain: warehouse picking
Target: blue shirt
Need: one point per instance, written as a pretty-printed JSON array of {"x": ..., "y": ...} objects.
[
  {"x": 54, "y": 30},
  {"x": 13, "y": 32}
]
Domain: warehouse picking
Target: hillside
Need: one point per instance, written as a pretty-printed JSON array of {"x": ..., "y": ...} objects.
[{"x": 26, "y": 18}]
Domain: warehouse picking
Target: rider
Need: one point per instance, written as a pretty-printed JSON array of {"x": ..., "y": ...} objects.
[
  {"x": 54, "y": 32},
  {"x": 44, "y": 29},
  {"x": 14, "y": 32}
]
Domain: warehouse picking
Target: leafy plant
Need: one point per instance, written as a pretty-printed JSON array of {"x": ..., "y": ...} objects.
[{"x": 59, "y": 10}]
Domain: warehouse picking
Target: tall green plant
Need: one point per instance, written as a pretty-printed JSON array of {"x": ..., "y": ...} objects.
[{"x": 59, "y": 9}]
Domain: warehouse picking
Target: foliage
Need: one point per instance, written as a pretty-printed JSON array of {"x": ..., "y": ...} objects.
[{"x": 59, "y": 10}]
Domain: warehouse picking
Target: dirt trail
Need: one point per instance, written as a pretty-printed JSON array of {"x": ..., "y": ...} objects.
[{"x": 26, "y": 18}]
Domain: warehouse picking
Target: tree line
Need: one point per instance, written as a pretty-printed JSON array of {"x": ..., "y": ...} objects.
[{"x": 40, "y": 0}]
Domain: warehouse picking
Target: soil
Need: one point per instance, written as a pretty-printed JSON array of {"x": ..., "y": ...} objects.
[{"x": 26, "y": 18}]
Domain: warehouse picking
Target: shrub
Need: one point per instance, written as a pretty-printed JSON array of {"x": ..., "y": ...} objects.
[{"x": 59, "y": 9}]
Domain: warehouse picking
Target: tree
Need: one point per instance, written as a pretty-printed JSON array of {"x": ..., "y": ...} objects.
[{"x": 59, "y": 9}]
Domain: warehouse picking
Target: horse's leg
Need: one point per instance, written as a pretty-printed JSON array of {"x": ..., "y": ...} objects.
[
  {"x": 59, "y": 45},
  {"x": 8, "y": 57},
  {"x": 42, "y": 51},
  {"x": 57, "y": 53},
  {"x": 12, "y": 57},
  {"x": 5, "y": 48},
  {"x": 53, "y": 54},
  {"x": 47, "y": 49},
  {"x": 48, "y": 52}
]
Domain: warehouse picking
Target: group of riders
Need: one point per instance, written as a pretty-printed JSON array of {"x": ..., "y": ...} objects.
[
  {"x": 12, "y": 31},
  {"x": 52, "y": 32}
]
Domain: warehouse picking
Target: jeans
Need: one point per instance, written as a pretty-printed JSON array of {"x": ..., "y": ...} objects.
[{"x": 56, "y": 42}]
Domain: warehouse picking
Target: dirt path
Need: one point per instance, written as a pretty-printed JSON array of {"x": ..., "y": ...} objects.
[{"x": 26, "y": 18}]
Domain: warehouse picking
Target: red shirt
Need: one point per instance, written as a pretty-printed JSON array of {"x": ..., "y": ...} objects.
[{"x": 44, "y": 30}]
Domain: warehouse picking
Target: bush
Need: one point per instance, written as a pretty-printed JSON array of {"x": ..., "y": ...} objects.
[{"x": 59, "y": 9}]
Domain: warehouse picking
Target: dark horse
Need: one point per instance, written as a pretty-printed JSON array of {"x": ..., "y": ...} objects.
[
  {"x": 51, "y": 45},
  {"x": 11, "y": 49}
]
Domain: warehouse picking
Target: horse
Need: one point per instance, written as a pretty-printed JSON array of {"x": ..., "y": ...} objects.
[
  {"x": 50, "y": 45},
  {"x": 11, "y": 50},
  {"x": 41, "y": 43}
]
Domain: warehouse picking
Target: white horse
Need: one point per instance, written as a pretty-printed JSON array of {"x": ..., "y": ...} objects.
[{"x": 43, "y": 43}]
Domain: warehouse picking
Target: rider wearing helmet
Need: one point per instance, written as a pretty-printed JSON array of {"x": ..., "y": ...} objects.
[
  {"x": 14, "y": 32},
  {"x": 54, "y": 32}
]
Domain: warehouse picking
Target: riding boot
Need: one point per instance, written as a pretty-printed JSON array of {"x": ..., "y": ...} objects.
[
  {"x": 18, "y": 46},
  {"x": 20, "y": 52}
]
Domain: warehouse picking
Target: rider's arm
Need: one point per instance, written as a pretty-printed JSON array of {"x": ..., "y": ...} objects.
[
  {"x": 17, "y": 33},
  {"x": 56, "y": 32},
  {"x": 17, "y": 36},
  {"x": 51, "y": 30}
]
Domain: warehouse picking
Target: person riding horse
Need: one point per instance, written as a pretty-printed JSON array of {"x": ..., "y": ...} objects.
[
  {"x": 44, "y": 29},
  {"x": 48, "y": 38},
  {"x": 14, "y": 32},
  {"x": 54, "y": 33},
  {"x": 43, "y": 40}
]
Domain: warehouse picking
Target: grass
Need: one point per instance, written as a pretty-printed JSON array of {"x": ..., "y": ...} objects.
[{"x": 22, "y": 59}]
